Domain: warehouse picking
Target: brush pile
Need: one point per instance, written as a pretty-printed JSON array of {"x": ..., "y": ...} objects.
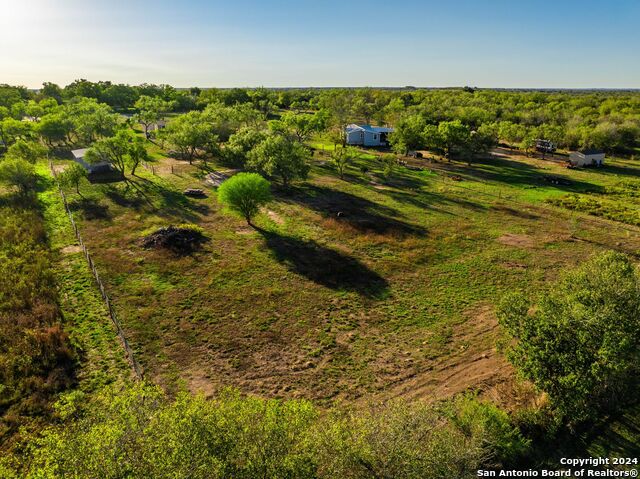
[{"x": 182, "y": 239}]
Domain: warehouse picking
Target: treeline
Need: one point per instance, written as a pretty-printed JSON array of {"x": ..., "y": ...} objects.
[{"x": 605, "y": 120}]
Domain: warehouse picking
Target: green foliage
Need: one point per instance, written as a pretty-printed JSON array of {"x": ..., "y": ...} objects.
[
  {"x": 189, "y": 134},
  {"x": 407, "y": 135},
  {"x": 343, "y": 157},
  {"x": 277, "y": 156},
  {"x": 73, "y": 175},
  {"x": 36, "y": 358},
  {"x": 137, "y": 433},
  {"x": 122, "y": 150},
  {"x": 303, "y": 125},
  {"x": 18, "y": 173},
  {"x": 389, "y": 162},
  {"x": 12, "y": 130},
  {"x": 240, "y": 143},
  {"x": 581, "y": 342},
  {"x": 30, "y": 151},
  {"x": 245, "y": 193},
  {"x": 484, "y": 419}
]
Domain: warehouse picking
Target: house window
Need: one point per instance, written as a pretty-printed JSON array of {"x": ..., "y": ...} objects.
[{"x": 375, "y": 137}]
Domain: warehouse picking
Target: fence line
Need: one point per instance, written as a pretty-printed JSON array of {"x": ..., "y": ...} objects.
[{"x": 103, "y": 292}]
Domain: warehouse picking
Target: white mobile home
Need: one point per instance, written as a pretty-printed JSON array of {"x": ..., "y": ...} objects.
[
  {"x": 367, "y": 135},
  {"x": 587, "y": 158},
  {"x": 102, "y": 166}
]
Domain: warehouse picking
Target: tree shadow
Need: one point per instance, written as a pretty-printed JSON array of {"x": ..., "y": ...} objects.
[
  {"x": 504, "y": 170},
  {"x": 172, "y": 203},
  {"x": 513, "y": 212},
  {"x": 325, "y": 266},
  {"x": 90, "y": 208},
  {"x": 124, "y": 198},
  {"x": 359, "y": 213},
  {"x": 142, "y": 194},
  {"x": 619, "y": 170}
]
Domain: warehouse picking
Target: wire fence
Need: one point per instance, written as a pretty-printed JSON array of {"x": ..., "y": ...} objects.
[{"x": 135, "y": 366}]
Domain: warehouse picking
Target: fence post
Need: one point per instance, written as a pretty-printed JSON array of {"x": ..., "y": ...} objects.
[{"x": 112, "y": 314}]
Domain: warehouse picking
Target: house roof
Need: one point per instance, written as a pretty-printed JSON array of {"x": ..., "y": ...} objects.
[
  {"x": 77, "y": 154},
  {"x": 369, "y": 128},
  {"x": 591, "y": 151}
]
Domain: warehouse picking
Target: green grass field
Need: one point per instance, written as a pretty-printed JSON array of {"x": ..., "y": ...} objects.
[{"x": 364, "y": 286}]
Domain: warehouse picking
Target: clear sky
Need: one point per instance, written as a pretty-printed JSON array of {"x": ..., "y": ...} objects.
[{"x": 485, "y": 43}]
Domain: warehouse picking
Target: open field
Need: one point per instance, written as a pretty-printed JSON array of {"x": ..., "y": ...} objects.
[{"x": 372, "y": 286}]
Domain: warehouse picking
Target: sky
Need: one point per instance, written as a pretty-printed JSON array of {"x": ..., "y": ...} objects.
[{"x": 285, "y": 43}]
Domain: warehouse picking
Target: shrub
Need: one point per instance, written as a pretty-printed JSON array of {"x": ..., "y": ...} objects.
[
  {"x": 138, "y": 432},
  {"x": 18, "y": 173},
  {"x": 245, "y": 193},
  {"x": 581, "y": 342},
  {"x": 36, "y": 356}
]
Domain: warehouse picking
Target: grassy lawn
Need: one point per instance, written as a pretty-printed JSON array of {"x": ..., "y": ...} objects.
[
  {"x": 365, "y": 286},
  {"x": 85, "y": 315}
]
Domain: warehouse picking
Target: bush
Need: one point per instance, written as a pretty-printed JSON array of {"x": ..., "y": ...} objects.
[
  {"x": 36, "y": 356},
  {"x": 18, "y": 173},
  {"x": 137, "y": 432},
  {"x": 245, "y": 193},
  {"x": 581, "y": 342}
]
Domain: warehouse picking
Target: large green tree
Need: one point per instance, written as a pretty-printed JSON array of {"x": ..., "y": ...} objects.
[
  {"x": 580, "y": 341},
  {"x": 279, "y": 157},
  {"x": 190, "y": 134},
  {"x": 122, "y": 150}
]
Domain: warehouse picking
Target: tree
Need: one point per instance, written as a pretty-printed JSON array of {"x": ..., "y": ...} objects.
[
  {"x": 150, "y": 111},
  {"x": 455, "y": 136},
  {"x": 137, "y": 153},
  {"x": 73, "y": 175},
  {"x": 30, "y": 151},
  {"x": 432, "y": 138},
  {"x": 121, "y": 150},
  {"x": 51, "y": 90},
  {"x": 11, "y": 130},
  {"x": 478, "y": 143},
  {"x": 245, "y": 193},
  {"x": 581, "y": 342},
  {"x": 389, "y": 162},
  {"x": 188, "y": 134},
  {"x": 277, "y": 156},
  {"x": 408, "y": 135},
  {"x": 342, "y": 158},
  {"x": 303, "y": 125},
  {"x": 240, "y": 144},
  {"x": 91, "y": 120},
  {"x": 18, "y": 173},
  {"x": 55, "y": 128}
]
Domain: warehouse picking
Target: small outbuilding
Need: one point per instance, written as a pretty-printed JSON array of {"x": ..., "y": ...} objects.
[
  {"x": 367, "y": 135},
  {"x": 586, "y": 158},
  {"x": 100, "y": 167}
]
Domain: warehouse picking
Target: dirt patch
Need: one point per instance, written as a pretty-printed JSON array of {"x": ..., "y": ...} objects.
[
  {"x": 216, "y": 178},
  {"x": 59, "y": 168},
  {"x": 71, "y": 249},
  {"x": 275, "y": 217},
  {"x": 474, "y": 364},
  {"x": 519, "y": 241}
]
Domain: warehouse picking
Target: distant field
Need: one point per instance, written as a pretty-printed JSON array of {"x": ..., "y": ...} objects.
[{"x": 363, "y": 286}]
